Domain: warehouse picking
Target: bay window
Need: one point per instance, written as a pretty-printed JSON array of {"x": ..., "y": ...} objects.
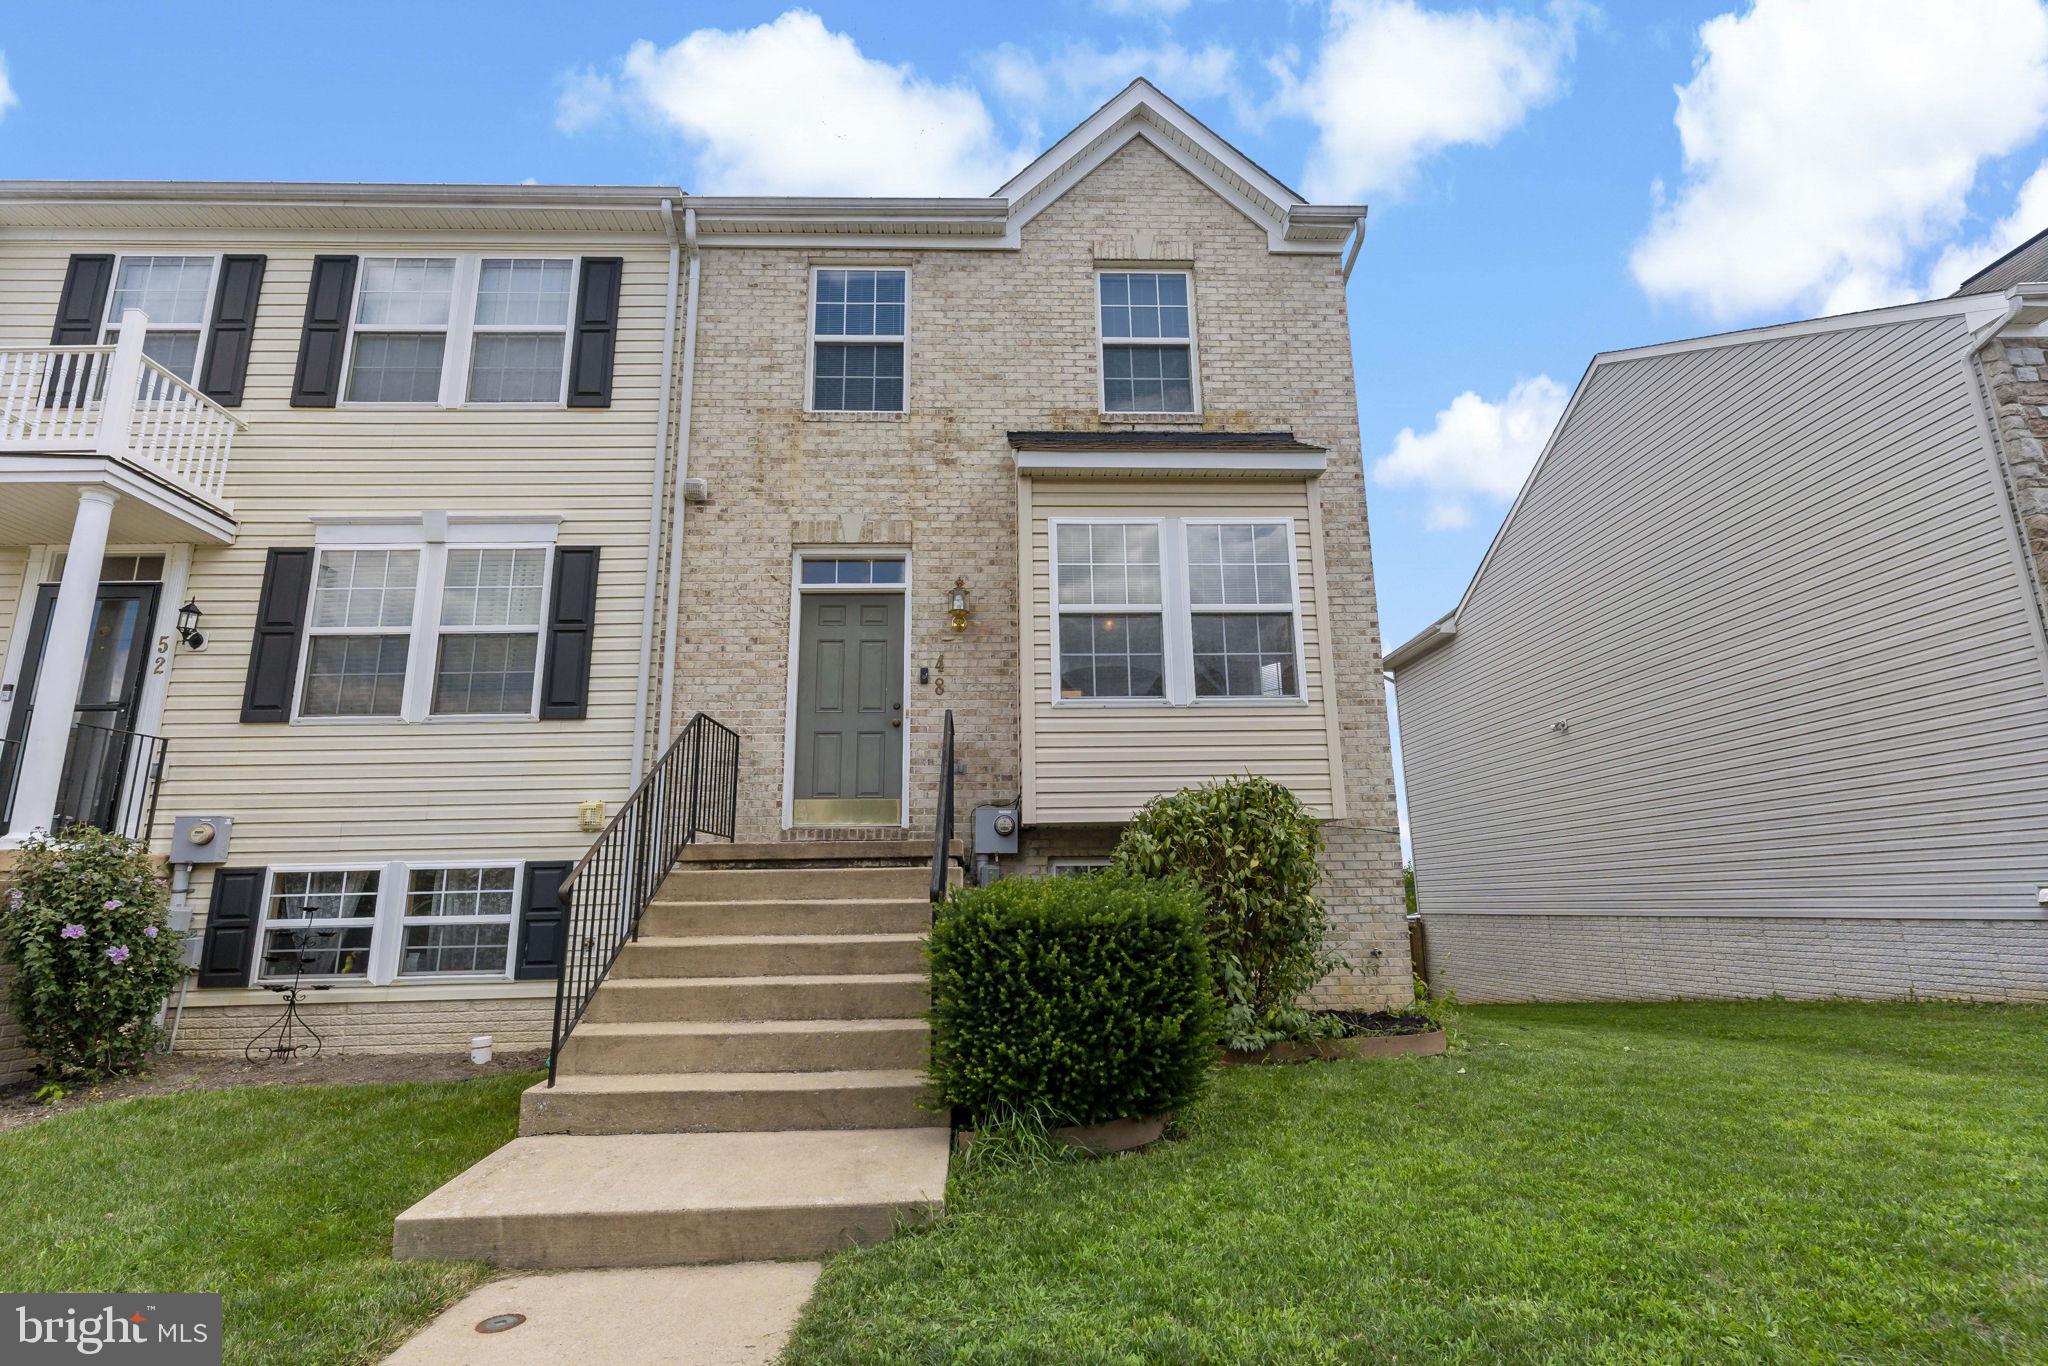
[{"x": 1175, "y": 610}]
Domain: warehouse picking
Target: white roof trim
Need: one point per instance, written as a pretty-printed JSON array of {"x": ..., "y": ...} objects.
[
  {"x": 1266, "y": 464},
  {"x": 1974, "y": 311}
]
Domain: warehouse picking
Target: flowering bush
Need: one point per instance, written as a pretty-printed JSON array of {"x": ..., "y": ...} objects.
[{"x": 94, "y": 956}]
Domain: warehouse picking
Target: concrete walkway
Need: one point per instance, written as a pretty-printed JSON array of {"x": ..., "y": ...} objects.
[{"x": 734, "y": 1315}]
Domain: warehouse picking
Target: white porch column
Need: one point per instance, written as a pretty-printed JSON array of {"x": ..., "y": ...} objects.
[
  {"x": 56, "y": 697},
  {"x": 124, "y": 378}
]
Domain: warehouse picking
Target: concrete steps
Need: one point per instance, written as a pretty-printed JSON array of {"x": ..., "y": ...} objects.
[
  {"x": 804, "y": 955},
  {"x": 561, "y": 1202},
  {"x": 746, "y": 1084},
  {"x": 745, "y": 1046},
  {"x": 715, "y": 1102}
]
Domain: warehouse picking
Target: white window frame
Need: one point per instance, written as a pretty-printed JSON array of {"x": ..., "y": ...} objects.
[
  {"x": 265, "y": 923},
  {"x": 311, "y": 632},
  {"x": 1179, "y": 611},
  {"x": 460, "y": 330},
  {"x": 813, "y": 338},
  {"x": 1064, "y": 867},
  {"x": 407, "y": 920},
  {"x": 1104, "y": 343},
  {"x": 432, "y": 535},
  {"x": 110, "y": 321}
]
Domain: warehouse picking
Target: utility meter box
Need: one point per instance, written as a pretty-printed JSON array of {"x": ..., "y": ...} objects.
[
  {"x": 995, "y": 830},
  {"x": 200, "y": 839}
]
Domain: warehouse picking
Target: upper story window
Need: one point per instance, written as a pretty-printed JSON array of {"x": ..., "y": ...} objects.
[
  {"x": 174, "y": 292},
  {"x": 1176, "y": 609},
  {"x": 359, "y": 637},
  {"x": 490, "y": 631},
  {"x": 859, "y": 330},
  {"x": 1148, "y": 347},
  {"x": 456, "y": 329}
]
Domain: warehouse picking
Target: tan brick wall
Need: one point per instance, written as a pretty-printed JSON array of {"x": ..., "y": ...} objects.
[
  {"x": 1002, "y": 341},
  {"x": 1647, "y": 958},
  {"x": 394, "y": 1026}
]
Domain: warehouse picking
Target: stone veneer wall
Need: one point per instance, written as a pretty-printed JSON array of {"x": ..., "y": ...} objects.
[
  {"x": 1635, "y": 958},
  {"x": 16, "y": 1062},
  {"x": 2016, "y": 372},
  {"x": 1002, "y": 341}
]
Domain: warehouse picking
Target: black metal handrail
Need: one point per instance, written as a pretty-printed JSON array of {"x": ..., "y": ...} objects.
[
  {"x": 942, "y": 834},
  {"x": 110, "y": 779},
  {"x": 692, "y": 790}
]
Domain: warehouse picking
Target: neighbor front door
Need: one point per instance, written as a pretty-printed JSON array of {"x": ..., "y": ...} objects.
[{"x": 849, "y": 710}]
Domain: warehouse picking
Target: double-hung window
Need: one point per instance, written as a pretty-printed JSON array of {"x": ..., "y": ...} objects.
[
  {"x": 1148, "y": 347},
  {"x": 175, "y": 292},
  {"x": 318, "y": 923},
  {"x": 489, "y": 653},
  {"x": 859, "y": 333},
  {"x": 458, "y": 921},
  {"x": 480, "y": 330},
  {"x": 359, "y": 636},
  {"x": 1175, "y": 610},
  {"x": 1111, "y": 609}
]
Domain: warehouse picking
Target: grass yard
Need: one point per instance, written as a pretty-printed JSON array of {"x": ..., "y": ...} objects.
[
  {"x": 1740, "y": 1182},
  {"x": 279, "y": 1197}
]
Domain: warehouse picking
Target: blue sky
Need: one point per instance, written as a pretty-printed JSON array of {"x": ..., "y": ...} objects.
[{"x": 1546, "y": 179}]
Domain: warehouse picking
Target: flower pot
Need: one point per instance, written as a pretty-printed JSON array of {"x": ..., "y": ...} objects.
[{"x": 1428, "y": 1043}]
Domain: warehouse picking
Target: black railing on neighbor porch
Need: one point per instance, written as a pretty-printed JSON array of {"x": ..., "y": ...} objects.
[
  {"x": 109, "y": 781},
  {"x": 942, "y": 834},
  {"x": 692, "y": 790}
]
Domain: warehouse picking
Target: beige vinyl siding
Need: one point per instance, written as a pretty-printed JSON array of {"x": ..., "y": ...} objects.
[
  {"x": 366, "y": 791},
  {"x": 13, "y": 580},
  {"x": 1098, "y": 763},
  {"x": 1772, "y": 591}
]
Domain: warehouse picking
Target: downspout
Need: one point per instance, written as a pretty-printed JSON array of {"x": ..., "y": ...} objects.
[
  {"x": 675, "y": 544},
  {"x": 668, "y": 355},
  {"x": 1357, "y": 241}
]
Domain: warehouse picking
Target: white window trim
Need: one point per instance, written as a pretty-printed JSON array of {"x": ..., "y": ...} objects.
[
  {"x": 431, "y": 534},
  {"x": 812, "y": 338},
  {"x": 111, "y": 321},
  {"x": 1178, "y": 610},
  {"x": 460, "y": 330},
  {"x": 265, "y": 923},
  {"x": 1103, "y": 343},
  {"x": 406, "y": 920},
  {"x": 387, "y": 924}
]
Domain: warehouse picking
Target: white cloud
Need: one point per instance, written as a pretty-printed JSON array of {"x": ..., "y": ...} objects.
[
  {"x": 1829, "y": 142},
  {"x": 1476, "y": 449},
  {"x": 1393, "y": 83},
  {"x": 1959, "y": 261},
  {"x": 790, "y": 107},
  {"x": 8, "y": 99}
]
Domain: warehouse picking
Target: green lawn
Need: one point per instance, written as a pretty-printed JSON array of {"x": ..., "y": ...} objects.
[
  {"x": 1754, "y": 1182},
  {"x": 279, "y": 1197}
]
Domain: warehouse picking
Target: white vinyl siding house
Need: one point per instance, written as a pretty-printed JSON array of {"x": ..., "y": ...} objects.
[{"x": 1751, "y": 692}]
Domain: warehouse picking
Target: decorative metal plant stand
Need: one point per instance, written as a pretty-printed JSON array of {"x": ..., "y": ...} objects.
[{"x": 290, "y": 1029}]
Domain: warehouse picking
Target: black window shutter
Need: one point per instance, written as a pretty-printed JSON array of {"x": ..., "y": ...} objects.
[
  {"x": 83, "y": 303},
  {"x": 226, "y": 366},
  {"x": 572, "y": 616},
  {"x": 597, "y": 330},
  {"x": 230, "y": 944},
  {"x": 542, "y": 920},
  {"x": 330, "y": 295},
  {"x": 280, "y": 621}
]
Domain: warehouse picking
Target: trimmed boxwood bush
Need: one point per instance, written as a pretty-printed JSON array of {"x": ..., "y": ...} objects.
[
  {"x": 1076, "y": 999},
  {"x": 1252, "y": 848}
]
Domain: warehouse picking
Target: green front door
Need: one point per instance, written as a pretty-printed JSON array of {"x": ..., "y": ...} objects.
[{"x": 849, "y": 710}]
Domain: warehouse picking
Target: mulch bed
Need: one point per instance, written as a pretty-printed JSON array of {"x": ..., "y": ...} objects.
[
  {"x": 1362, "y": 1023},
  {"x": 177, "y": 1072}
]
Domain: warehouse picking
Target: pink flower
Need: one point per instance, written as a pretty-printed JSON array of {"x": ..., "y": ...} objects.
[
  {"x": 119, "y": 953},
  {"x": 149, "y": 931},
  {"x": 110, "y": 904},
  {"x": 72, "y": 932}
]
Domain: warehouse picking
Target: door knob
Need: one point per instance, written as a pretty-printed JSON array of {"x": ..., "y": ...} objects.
[{"x": 895, "y": 720}]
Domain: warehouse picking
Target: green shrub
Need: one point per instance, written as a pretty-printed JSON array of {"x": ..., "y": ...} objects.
[
  {"x": 1251, "y": 847},
  {"x": 94, "y": 956},
  {"x": 1079, "y": 999}
]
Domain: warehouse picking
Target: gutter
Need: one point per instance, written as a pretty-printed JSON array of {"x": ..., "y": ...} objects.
[
  {"x": 1427, "y": 641},
  {"x": 668, "y": 356},
  {"x": 675, "y": 545}
]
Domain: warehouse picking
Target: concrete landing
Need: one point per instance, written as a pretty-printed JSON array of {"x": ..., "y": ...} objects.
[
  {"x": 578, "y": 1201},
  {"x": 664, "y": 1316}
]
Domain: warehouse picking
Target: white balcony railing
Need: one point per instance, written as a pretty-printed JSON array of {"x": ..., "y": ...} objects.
[{"x": 116, "y": 402}]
